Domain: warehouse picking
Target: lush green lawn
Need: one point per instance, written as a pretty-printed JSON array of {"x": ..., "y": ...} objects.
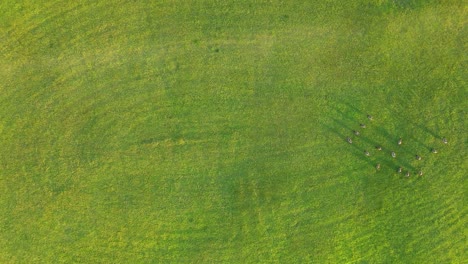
[{"x": 215, "y": 131}]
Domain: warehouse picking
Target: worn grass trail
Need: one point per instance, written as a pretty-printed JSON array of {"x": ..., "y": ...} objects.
[{"x": 207, "y": 131}]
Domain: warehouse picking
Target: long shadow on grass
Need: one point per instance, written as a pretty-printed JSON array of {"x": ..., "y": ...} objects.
[
  {"x": 419, "y": 142},
  {"x": 388, "y": 164},
  {"x": 356, "y": 150},
  {"x": 151, "y": 140},
  {"x": 351, "y": 113},
  {"x": 342, "y": 125},
  {"x": 384, "y": 132},
  {"x": 418, "y": 126},
  {"x": 390, "y": 140},
  {"x": 427, "y": 130},
  {"x": 380, "y": 157},
  {"x": 350, "y": 105},
  {"x": 372, "y": 125},
  {"x": 346, "y": 116},
  {"x": 361, "y": 137},
  {"x": 403, "y": 163}
]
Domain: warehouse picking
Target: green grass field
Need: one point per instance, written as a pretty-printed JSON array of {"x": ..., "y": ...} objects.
[{"x": 215, "y": 131}]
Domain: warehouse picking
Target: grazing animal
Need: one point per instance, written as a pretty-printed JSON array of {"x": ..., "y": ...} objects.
[
  {"x": 418, "y": 157},
  {"x": 393, "y": 154},
  {"x": 378, "y": 147},
  {"x": 370, "y": 117},
  {"x": 350, "y": 141},
  {"x": 400, "y": 169},
  {"x": 400, "y": 141},
  {"x": 356, "y": 133},
  {"x": 420, "y": 173},
  {"x": 377, "y": 166},
  {"x": 434, "y": 150},
  {"x": 366, "y": 152},
  {"x": 362, "y": 125},
  {"x": 444, "y": 140},
  {"x": 407, "y": 174}
]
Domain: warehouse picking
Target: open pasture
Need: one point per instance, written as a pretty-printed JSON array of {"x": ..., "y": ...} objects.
[{"x": 215, "y": 131}]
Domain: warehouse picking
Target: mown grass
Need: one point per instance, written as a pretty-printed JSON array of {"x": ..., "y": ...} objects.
[{"x": 185, "y": 131}]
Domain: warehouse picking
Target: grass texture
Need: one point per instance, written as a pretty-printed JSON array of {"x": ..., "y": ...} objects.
[{"x": 215, "y": 131}]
